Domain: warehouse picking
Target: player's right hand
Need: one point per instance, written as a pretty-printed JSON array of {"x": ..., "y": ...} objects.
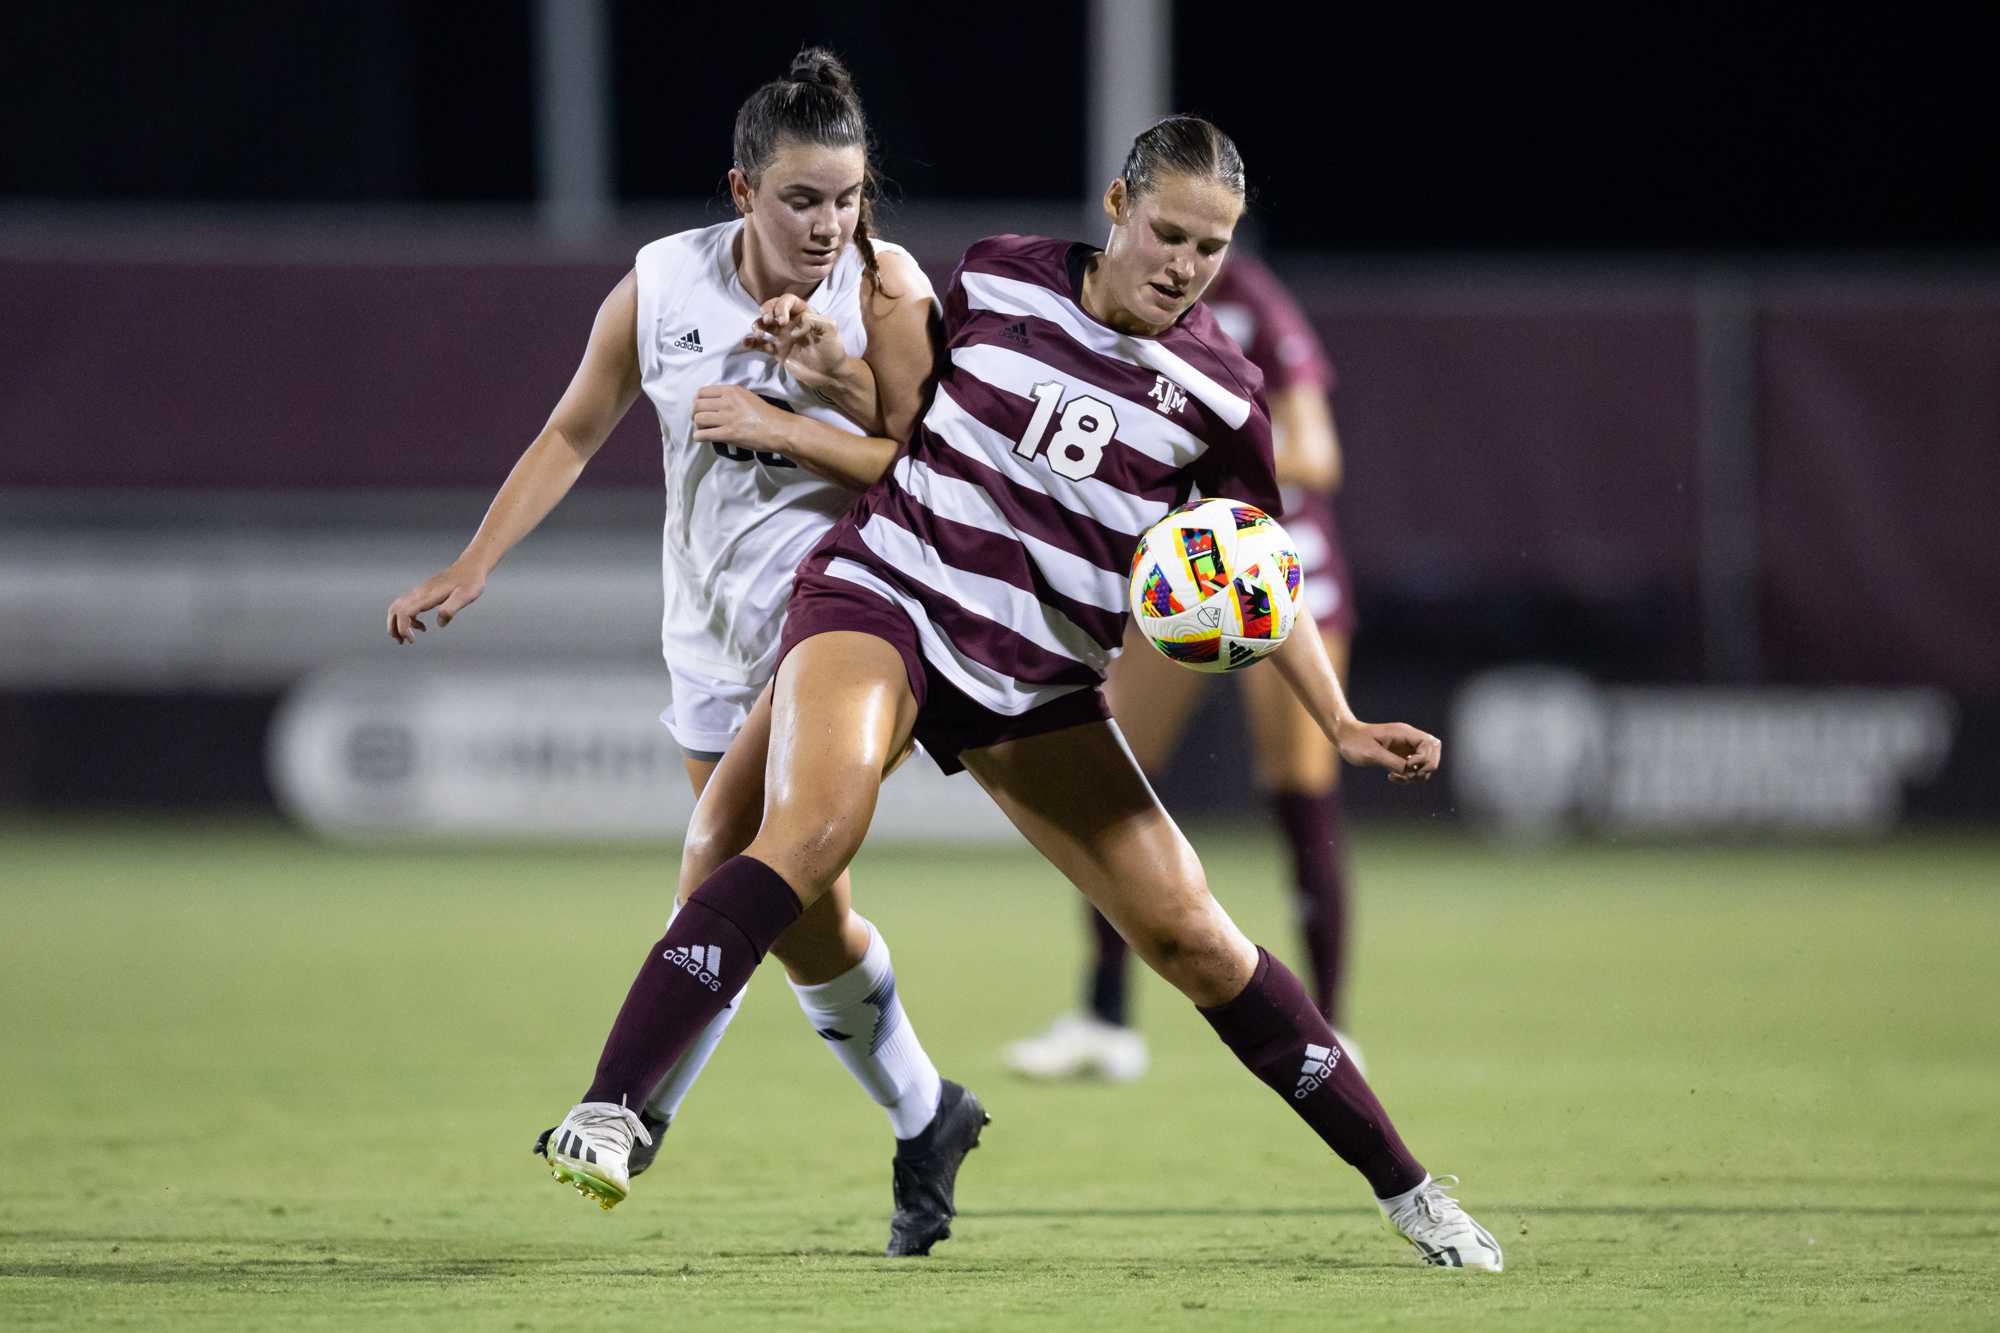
[
  {"x": 450, "y": 592},
  {"x": 1410, "y": 755},
  {"x": 801, "y": 339}
]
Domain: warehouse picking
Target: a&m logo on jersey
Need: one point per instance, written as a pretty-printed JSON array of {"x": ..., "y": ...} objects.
[{"x": 1168, "y": 396}]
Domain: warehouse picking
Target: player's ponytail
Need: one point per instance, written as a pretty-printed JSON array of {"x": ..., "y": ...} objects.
[
  {"x": 814, "y": 103},
  {"x": 1183, "y": 146}
]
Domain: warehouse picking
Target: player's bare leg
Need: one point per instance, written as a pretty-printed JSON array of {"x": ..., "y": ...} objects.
[
  {"x": 1296, "y": 766},
  {"x": 824, "y": 943},
  {"x": 1079, "y": 797},
  {"x": 1153, "y": 699},
  {"x": 822, "y": 785},
  {"x": 837, "y": 962},
  {"x": 827, "y": 939},
  {"x": 823, "y": 781},
  {"x": 688, "y": 980},
  {"x": 842, "y": 713}
]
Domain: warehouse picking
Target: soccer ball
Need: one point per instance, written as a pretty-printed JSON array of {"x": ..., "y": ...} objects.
[{"x": 1215, "y": 585}]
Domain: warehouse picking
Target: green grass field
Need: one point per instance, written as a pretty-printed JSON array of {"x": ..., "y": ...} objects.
[{"x": 253, "y": 1082}]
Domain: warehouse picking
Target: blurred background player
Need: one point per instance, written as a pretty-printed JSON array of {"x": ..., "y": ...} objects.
[
  {"x": 1153, "y": 699},
  {"x": 707, "y": 322}
]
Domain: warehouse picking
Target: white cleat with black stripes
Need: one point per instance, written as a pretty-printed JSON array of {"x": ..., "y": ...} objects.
[
  {"x": 1442, "y": 1232},
  {"x": 592, "y": 1149}
]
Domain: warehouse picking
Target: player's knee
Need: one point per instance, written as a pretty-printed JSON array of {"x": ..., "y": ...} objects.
[
  {"x": 709, "y": 843},
  {"x": 1192, "y": 946},
  {"x": 1202, "y": 967},
  {"x": 812, "y": 848}
]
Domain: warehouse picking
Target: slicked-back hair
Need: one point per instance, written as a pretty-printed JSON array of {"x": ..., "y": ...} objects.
[
  {"x": 1183, "y": 146},
  {"x": 814, "y": 103}
]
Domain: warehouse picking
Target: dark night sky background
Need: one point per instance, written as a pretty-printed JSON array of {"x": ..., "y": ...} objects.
[{"x": 1366, "y": 127}]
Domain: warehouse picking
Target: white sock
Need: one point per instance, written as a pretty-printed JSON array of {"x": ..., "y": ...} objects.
[
  {"x": 679, "y": 1081},
  {"x": 862, "y": 1020},
  {"x": 1395, "y": 1201}
]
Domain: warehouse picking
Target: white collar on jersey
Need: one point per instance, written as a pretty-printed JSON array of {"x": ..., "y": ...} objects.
[{"x": 732, "y": 275}]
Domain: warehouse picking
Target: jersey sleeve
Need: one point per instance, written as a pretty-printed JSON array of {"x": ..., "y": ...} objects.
[{"x": 1240, "y": 465}]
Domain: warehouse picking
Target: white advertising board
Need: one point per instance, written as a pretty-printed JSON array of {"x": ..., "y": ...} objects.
[
  {"x": 1537, "y": 751},
  {"x": 372, "y": 752}
]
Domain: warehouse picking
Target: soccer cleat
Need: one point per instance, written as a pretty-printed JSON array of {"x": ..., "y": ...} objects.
[
  {"x": 1079, "y": 1044},
  {"x": 1444, "y": 1233},
  {"x": 926, "y": 1169},
  {"x": 592, "y": 1149},
  {"x": 643, "y": 1151}
]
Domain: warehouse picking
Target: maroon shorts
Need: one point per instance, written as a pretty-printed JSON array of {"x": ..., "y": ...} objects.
[
  {"x": 1308, "y": 517},
  {"x": 947, "y": 720}
]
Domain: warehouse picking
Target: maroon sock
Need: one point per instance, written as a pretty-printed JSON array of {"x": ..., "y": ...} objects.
[
  {"x": 1275, "y": 1030},
  {"x": 1317, "y": 832},
  {"x": 707, "y": 955},
  {"x": 1107, "y": 975}
]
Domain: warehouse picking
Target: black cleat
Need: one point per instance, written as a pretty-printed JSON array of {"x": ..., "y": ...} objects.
[
  {"x": 926, "y": 1168},
  {"x": 643, "y": 1152}
]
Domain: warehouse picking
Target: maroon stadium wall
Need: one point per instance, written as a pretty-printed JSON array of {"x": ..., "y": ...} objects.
[
  {"x": 1498, "y": 433},
  {"x": 1880, "y": 488}
]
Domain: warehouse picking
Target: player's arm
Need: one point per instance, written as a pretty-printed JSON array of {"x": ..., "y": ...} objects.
[
  {"x": 1249, "y": 469},
  {"x": 1304, "y": 439},
  {"x": 1409, "y": 755},
  {"x": 905, "y": 343},
  {"x": 734, "y": 415},
  {"x": 603, "y": 387},
  {"x": 885, "y": 389}
]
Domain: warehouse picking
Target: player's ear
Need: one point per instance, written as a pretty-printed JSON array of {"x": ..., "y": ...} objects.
[
  {"x": 740, "y": 192},
  {"x": 1116, "y": 197}
]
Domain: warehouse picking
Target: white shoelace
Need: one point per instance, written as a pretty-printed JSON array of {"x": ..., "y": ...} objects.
[
  {"x": 1431, "y": 1204},
  {"x": 604, "y": 1116}
]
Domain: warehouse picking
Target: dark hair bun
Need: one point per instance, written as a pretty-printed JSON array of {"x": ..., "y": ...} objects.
[
  {"x": 815, "y": 103},
  {"x": 816, "y": 64}
]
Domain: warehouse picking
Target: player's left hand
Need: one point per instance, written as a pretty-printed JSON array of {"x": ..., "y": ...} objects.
[
  {"x": 1409, "y": 755},
  {"x": 732, "y": 414},
  {"x": 804, "y": 341}
]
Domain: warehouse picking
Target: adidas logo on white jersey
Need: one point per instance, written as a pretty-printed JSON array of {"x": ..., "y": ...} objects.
[
  {"x": 703, "y": 962},
  {"x": 1318, "y": 1068},
  {"x": 689, "y": 341}
]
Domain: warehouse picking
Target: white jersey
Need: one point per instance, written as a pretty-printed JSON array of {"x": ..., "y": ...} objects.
[{"x": 738, "y": 522}]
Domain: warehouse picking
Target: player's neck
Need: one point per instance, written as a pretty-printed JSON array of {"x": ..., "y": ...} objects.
[
  {"x": 762, "y": 280},
  {"x": 1099, "y": 304}
]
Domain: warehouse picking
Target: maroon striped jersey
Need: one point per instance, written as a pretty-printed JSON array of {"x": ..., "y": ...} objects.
[{"x": 1006, "y": 530}]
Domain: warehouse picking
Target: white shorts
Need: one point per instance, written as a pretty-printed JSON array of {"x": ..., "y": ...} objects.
[{"x": 706, "y": 713}]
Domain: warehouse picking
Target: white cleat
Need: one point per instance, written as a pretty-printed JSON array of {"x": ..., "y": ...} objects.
[
  {"x": 1080, "y": 1044},
  {"x": 1444, "y": 1233},
  {"x": 592, "y": 1149},
  {"x": 1347, "y": 1044}
]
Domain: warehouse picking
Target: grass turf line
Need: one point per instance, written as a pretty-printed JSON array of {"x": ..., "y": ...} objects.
[{"x": 253, "y": 1081}]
